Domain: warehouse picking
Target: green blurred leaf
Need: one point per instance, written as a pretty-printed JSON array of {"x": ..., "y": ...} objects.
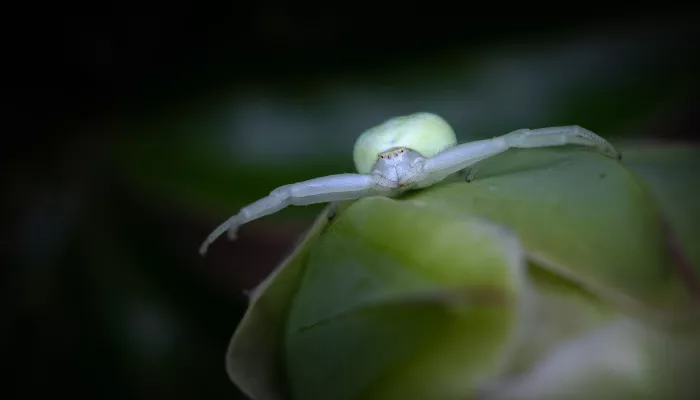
[
  {"x": 401, "y": 301},
  {"x": 622, "y": 359},
  {"x": 205, "y": 176}
]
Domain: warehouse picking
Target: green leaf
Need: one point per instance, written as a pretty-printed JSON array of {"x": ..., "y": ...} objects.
[
  {"x": 672, "y": 173},
  {"x": 582, "y": 215},
  {"x": 400, "y": 301},
  {"x": 254, "y": 360},
  {"x": 622, "y": 359}
]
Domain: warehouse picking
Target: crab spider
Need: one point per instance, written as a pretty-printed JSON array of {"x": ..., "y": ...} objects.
[{"x": 403, "y": 153}]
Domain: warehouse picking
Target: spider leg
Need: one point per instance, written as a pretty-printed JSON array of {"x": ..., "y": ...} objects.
[
  {"x": 471, "y": 174},
  {"x": 467, "y": 174},
  {"x": 456, "y": 159},
  {"x": 332, "y": 210},
  {"x": 320, "y": 190},
  {"x": 560, "y": 136},
  {"x": 438, "y": 167}
]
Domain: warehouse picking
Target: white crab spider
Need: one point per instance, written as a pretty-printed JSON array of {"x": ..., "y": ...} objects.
[{"x": 403, "y": 153}]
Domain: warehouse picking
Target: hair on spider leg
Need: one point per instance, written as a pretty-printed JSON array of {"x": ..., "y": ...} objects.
[
  {"x": 462, "y": 174},
  {"x": 332, "y": 211},
  {"x": 470, "y": 174}
]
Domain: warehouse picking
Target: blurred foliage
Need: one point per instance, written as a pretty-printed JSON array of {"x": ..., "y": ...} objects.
[{"x": 140, "y": 134}]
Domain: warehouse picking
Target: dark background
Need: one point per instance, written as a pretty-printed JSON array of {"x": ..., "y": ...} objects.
[{"x": 134, "y": 128}]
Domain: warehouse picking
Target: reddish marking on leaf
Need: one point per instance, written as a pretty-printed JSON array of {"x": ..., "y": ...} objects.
[{"x": 682, "y": 264}]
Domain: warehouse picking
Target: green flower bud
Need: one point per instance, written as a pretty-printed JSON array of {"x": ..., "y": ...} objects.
[{"x": 555, "y": 274}]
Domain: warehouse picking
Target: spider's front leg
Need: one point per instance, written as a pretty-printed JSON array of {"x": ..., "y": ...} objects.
[
  {"x": 320, "y": 190},
  {"x": 458, "y": 158},
  {"x": 560, "y": 136}
]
